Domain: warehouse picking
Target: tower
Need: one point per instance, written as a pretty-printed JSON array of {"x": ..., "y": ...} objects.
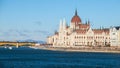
[
  {"x": 60, "y": 26},
  {"x": 75, "y": 21},
  {"x": 64, "y": 24}
]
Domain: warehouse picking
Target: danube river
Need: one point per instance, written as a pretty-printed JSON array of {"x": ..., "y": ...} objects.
[{"x": 24, "y": 57}]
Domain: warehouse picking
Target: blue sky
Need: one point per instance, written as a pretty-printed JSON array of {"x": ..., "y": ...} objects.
[{"x": 37, "y": 19}]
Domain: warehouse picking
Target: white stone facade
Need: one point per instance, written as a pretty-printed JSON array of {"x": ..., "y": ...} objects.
[
  {"x": 115, "y": 36},
  {"x": 78, "y": 34}
]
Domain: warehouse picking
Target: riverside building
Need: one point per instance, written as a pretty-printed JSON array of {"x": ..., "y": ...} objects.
[
  {"x": 78, "y": 34},
  {"x": 115, "y": 36}
]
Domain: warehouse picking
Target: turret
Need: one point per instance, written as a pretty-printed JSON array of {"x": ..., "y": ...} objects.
[
  {"x": 64, "y": 23},
  {"x": 60, "y": 26}
]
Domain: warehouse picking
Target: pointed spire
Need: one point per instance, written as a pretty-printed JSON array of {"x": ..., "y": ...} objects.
[
  {"x": 76, "y": 12},
  {"x": 64, "y": 23},
  {"x": 61, "y": 25},
  {"x": 88, "y": 21}
]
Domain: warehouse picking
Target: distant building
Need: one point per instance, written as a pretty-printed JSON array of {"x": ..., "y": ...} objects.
[
  {"x": 78, "y": 34},
  {"x": 115, "y": 36}
]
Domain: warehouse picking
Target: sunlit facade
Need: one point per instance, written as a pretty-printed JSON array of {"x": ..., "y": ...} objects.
[
  {"x": 115, "y": 36},
  {"x": 78, "y": 34}
]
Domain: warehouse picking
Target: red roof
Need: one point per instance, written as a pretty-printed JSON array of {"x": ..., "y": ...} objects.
[
  {"x": 106, "y": 31},
  {"x": 81, "y": 31},
  {"x": 75, "y": 19},
  {"x": 85, "y": 26},
  {"x": 98, "y": 31}
]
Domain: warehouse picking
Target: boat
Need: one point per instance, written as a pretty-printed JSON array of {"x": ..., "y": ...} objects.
[{"x": 10, "y": 48}]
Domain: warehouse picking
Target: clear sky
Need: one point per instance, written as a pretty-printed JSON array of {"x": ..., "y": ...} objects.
[{"x": 37, "y": 19}]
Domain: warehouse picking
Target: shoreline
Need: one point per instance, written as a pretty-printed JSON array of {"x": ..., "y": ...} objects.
[
  {"x": 65, "y": 49},
  {"x": 80, "y": 49}
]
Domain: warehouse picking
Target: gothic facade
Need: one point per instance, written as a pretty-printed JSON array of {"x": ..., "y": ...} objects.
[
  {"x": 78, "y": 34},
  {"x": 115, "y": 36}
]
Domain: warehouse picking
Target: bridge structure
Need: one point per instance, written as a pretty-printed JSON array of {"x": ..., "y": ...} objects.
[{"x": 5, "y": 43}]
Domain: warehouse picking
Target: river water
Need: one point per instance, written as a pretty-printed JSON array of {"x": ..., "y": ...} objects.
[{"x": 25, "y": 57}]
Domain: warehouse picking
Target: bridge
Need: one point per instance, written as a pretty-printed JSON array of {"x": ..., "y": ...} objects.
[{"x": 5, "y": 43}]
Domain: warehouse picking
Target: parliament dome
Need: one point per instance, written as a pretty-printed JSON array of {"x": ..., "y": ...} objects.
[{"x": 75, "y": 18}]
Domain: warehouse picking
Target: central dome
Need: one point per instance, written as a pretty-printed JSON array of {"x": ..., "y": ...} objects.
[{"x": 75, "y": 18}]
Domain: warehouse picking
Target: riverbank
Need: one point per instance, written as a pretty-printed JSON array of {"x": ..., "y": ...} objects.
[{"x": 80, "y": 49}]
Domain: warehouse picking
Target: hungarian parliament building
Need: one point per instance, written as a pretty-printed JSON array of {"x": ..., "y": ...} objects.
[{"x": 81, "y": 34}]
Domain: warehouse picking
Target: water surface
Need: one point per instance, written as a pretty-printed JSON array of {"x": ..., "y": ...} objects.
[{"x": 25, "y": 57}]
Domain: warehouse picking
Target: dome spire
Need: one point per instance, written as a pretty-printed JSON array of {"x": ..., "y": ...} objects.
[{"x": 76, "y": 12}]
